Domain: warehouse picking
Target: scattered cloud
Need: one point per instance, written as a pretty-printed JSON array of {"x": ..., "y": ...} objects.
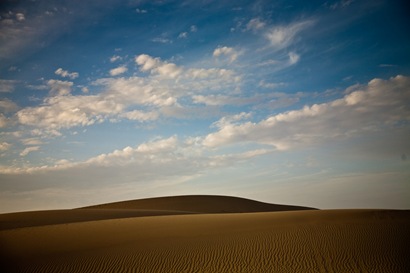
[
  {"x": 140, "y": 115},
  {"x": 115, "y": 58},
  {"x": 155, "y": 65},
  {"x": 193, "y": 28},
  {"x": 293, "y": 58},
  {"x": 3, "y": 120},
  {"x": 59, "y": 88},
  {"x": 4, "y": 146},
  {"x": 387, "y": 65},
  {"x": 20, "y": 17},
  {"x": 230, "y": 52},
  {"x": 141, "y": 11},
  {"x": 7, "y": 86},
  {"x": 255, "y": 24},
  {"x": 67, "y": 111},
  {"x": 341, "y": 4},
  {"x": 65, "y": 74},
  {"x": 118, "y": 71},
  {"x": 183, "y": 35},
  {"x": 282, "y": 36},
  {"x": 31, "y": 141},
  {"x": 162, "y": 40},
  {"x": 7, "y": 106},
  {"x": 271, "y": 85},
  {"x": 28, "y": 150},
  {"x": 379, "y": 105}
]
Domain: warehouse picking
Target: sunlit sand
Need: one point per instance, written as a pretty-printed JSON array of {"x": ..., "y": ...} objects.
[{"x": 205, "y": 234}]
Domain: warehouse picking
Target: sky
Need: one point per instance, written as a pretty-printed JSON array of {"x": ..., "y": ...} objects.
[{"x": 288, "y": 102}]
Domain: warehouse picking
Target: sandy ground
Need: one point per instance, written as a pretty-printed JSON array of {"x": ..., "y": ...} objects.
[{"x": 286, "y": 241}]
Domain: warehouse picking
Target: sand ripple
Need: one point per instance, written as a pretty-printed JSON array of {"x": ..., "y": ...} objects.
[{"x": 309, "y": 241}]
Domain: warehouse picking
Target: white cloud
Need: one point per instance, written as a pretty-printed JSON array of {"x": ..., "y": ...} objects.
[
  {"x": 136, "y": 91},
  {"x": 341, "y": 4},
  {"x": 115, "y": 58},
  {"x": 282, "y": 36},
  {"x": 155, "y": 65},
  {"x": 118, "y": 71},
  {"x": 68, "y": 111},
  {"x": 20, "y": 17},
  {"x": 156, "y": 94},
  {"x": 60, "y": 88},
  {"x": 271, "y": 85},
  {"x": 159, "y": 146},
  {"x": 7, "y": 86},
  {"x": 162, "y": 40},
  {"x": 141, "y": 10},
  {"x": 193, "y": 28},
  {"x": 183, "y": 35},
  {"x": 293, "y": 58},
  {"x": 228, "y": 51},
  {"x": 255, "y": 24},
  {"x": 381, "y": 105},
  {"x": 169, "y": 70},
  {"x": 7, "y": 106},
  {"x": 65, "y": 74},
  {"x": 31, "y": 141},
  {"x": 140, "y": 115},
  {"x": 4, "y": 146},
  {"x": 3, "y": 120},
  {"x": 28, "y": 150},
  {"x": 229, "y": 120},
  {"x": 220, "y": 100}
]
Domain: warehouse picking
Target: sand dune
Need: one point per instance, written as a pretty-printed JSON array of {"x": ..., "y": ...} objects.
[
  {"x": 200, "y": 204},
  {"x": 173, "y": 205},
  {"x": 287, "y": 241}
]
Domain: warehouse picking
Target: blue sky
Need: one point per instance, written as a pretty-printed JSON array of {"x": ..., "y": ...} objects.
[{"x": 295, "y": 102}]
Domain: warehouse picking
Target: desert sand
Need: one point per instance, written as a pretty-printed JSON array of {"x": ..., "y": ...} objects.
[{"x": 205, "y": 234}]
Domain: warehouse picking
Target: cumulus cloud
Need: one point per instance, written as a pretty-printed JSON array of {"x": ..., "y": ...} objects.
[
  {"x": 118, "y": 71},
  {"x": 7, "y": 106},
  {"x": 3, "y": 121},
  {"x": 68, "y": 111},
  {"x": 28, "y": 150},
  {"x": 65, "y": 74},
  {"x": 282, "y": 36},
  {"x": 140, "y": 115},
  {"x": 136, "y": 91},
  {"x": 233, "y": 119},
  {"x": 155, "y": 65},
  {"x": 231, "y": 53},
  {"x": 169, "y": 70},
  {"x": 59, "y": 88},
  {"x": 148, "y": 161},
  {"x": 135, "y": 98},
  {"x": 380, "y": 105},
  {"x": 4, "y": 146}
]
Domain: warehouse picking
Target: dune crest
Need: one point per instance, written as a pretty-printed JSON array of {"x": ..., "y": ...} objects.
[
  {"x": 159, "y": 206},
  {"x": 199, "y": 204}
]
